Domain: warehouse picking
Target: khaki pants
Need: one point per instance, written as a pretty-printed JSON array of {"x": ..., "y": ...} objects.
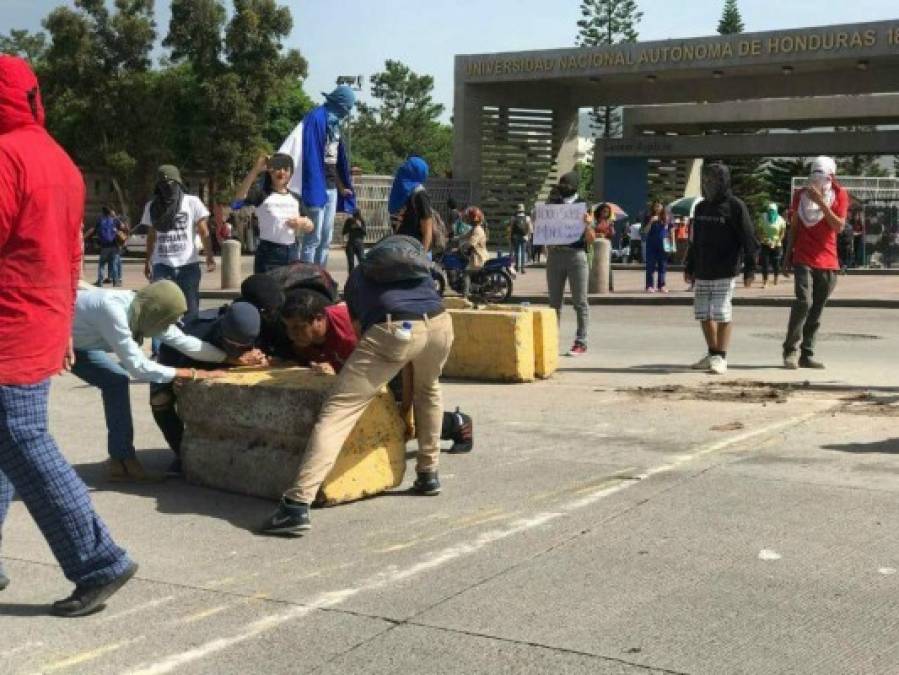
[{"x": 378, "y": 357}]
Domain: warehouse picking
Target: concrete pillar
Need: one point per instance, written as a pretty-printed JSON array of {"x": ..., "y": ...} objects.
[
  {"x": 693, "y": 187},
  {"x": 231, "y": 272},
  {"x": 467, "y": 111},
  {"x": 600, "y": 272},
  {"x": 566, "y": 133},
  {"x": 599, "y": 170}
]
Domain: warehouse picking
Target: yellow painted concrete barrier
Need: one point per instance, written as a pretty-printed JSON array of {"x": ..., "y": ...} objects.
[
  {"x": 546, "y": 336},
  {"x": 495, "y": 346},
  {"x": 246, "y": 433}
]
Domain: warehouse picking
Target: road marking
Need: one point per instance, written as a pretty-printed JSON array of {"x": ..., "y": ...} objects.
[
  {"x": 104, "y": 618},
  {"x": 887, "y": 571},
  {"x": 392, "y": 575},
  {"x": 768, "y": 554},
  {"x": 84, "y": 657}
]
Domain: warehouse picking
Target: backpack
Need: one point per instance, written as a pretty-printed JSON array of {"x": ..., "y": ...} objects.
[
  {"x": 107, "y": 231},
  {"x": 520, "y": 225},
  {"x": 307, "y": 276},
  {"x": 396, "y": 257},
  {"x": 439, "y": 232}
]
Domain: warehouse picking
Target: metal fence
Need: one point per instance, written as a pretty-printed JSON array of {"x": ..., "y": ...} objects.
[{"x": 372, "y": 193}]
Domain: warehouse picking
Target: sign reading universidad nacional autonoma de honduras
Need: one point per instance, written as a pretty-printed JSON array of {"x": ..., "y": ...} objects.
[{"x": 743, "y": 48}]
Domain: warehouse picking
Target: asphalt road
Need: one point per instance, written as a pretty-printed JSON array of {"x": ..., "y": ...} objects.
[{"x": 738, "y": 524}]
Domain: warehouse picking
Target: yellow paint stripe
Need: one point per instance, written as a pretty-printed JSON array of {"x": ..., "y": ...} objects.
[{"x": 84, "y": 657}]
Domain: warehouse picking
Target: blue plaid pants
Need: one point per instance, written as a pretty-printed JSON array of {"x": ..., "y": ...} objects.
[{"x": 32, "y": 466}]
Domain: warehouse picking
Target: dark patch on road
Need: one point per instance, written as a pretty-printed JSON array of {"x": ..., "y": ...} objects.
[{"x": 825, "y": 337}]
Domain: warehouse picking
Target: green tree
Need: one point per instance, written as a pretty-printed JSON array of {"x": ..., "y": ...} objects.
[
  {"x": 607, "y": 22},
  {"x": 30, "y": 46},
  {"x": 779, "y": 173},
  {"x": 731, "y": 21},
  {"x": 404, "y": 120}
]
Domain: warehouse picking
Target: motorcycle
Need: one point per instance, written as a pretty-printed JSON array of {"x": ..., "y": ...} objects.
[{"x": 492, "y": 283}]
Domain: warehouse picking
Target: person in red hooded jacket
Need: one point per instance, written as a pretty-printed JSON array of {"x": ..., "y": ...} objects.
[{"x": 41, "y": 210}]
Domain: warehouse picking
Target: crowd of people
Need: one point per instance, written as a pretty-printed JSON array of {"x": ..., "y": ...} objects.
[{"x": 391, "y": 329}]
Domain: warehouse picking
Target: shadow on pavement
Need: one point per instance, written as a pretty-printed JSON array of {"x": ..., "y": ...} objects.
[
  {"x": 889, "y": 446},
  {"x": 18, "y": 609}
]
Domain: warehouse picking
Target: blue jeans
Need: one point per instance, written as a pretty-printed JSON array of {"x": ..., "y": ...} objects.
[
  {"x": 110, "y": 258},
  {"x": 32, "y": 466},
  {"x": 519, "y": 250},
  {"x": 317, "y": 243},
  {"x": 270, "y": 255},
  {"x": 188, "y": 279},
  {"x": 656, "y": 259},
  {"x": 98, "y": 369}
]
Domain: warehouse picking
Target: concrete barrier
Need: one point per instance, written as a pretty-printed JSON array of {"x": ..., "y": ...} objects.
[
  {"x": 546, "y": 336},
  {"x": 495, "y": 346},
  {"x": 600, "y": 279},
  {"x": 231, "y": 272},
  {"x": 247, "y": 433}
]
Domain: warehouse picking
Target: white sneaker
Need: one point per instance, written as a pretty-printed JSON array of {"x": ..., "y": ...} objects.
[
  {"x": 703, "y": 364},
  {"x": 718, "y": 365}
]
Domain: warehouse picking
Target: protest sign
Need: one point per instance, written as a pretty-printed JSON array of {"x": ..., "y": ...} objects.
[{"x": 559, "y": 224}]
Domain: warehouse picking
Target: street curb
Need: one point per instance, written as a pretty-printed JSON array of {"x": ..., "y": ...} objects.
[{"x": 639, "y": 301}]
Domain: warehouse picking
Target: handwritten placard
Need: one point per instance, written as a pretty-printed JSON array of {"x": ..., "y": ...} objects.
[{"x": 558, "y": 224}]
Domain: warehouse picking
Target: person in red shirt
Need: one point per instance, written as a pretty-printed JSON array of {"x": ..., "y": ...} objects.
[
  {"x": 819, "y": 214},
  {"x": 322, "y": 336},
  {"x": 41, "y": 211}
]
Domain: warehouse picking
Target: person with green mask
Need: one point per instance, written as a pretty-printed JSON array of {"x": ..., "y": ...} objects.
[
  {"x": 118, "y": 322},
  {"x": 770, "y": 231}
]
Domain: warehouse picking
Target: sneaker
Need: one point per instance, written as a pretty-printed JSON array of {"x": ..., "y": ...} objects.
[
  {"x": 791, "y": 361},
  {"x": 427, "y": 484},
  {"x": 650, "y": 289},
  {"x": 809, "y": 362},
  {"x": 461, "y": 432},
  {"x": 131, "y": 471},
  {"x": 718, "y": 365},
  {"x": 663, "y": 289},
  {"x": 88, "y": 599},
  {"x": 175, "y": 469},
  {"x": 577, "y": 349},
  {"x": 291, "y": 518},
  {"x": 703, "y": 364}
]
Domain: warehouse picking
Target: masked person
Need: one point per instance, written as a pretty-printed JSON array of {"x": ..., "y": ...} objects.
[
  {"x": 819, "y": 213},
  {"x": 409, "y": 202},
  {"x": 323, "y": 175},
  {"x": 771, "y": 230},
  {"x": 41, "y": 210},
  {"x": 723, "y": 240},
  {"x": 234, "y": 330},
  {"x": 118, "y": 322},
  {"x": 175, "y": 220},
  {"x": 569, "y": 263},
  {"x": 279, "y": 211}
]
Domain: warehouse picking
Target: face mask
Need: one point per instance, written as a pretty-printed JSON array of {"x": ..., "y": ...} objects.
[{"x": 166, "y": 189}]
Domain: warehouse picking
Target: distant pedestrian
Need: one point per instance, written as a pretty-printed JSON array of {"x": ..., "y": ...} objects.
[
  {"x": 604, "y": 226},
  {"x": 409, "y": 203},
  {"x": 635, "y": 243},
  {"x": 354, "y": 233},
  {"x": 41, "y": 209},
  {"x": 569, "y": 263},
  {"x": 771, "y": 230},
  {"x": 820, "y": 211},
  {"x": 723, "y": 240},
  {"x": 110, "y": 234},
  {"x": 520, "y": 230},
  {"x": 681, "y": 238},
  {"x": 323, "y": 174},
  {"x": 176, "y": 220},
  {"x": 279, "y": 212},
  {"x": 658, "y": 236}
]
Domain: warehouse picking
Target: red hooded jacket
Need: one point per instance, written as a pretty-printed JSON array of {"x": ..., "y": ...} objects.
[{"x": 41, "y": 211}]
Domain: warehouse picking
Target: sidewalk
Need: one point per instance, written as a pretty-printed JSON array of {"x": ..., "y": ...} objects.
[{"x": 853, "y": 290}]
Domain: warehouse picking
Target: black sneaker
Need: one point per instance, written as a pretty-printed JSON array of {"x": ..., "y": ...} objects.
[
  {"x": 291, "y": 518},
  {"x": 89, "y": 599},
  {"x": 427, "y": 484},
  {"x": 460, "y": 430},
  {"x": 175, "y": 469},
  {"x": 808, "y": 362}
]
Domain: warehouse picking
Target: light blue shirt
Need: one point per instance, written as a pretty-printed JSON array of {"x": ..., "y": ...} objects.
[{"x": 101, "y": 322}]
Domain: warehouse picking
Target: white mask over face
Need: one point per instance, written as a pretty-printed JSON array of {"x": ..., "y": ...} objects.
[{"x": 821, "y": 177}]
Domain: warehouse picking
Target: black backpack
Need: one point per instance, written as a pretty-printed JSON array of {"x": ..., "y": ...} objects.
[
  {"x": 396, "y": 258},
  {"x": 520, "y": 225},
  {"x": 305, "y": 275}
]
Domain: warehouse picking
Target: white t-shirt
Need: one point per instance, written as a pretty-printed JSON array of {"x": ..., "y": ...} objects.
[
  {"x": 634, "y": 231},
  {"x": 178, "y": 246},
  {"x": 272, "y": 211}
]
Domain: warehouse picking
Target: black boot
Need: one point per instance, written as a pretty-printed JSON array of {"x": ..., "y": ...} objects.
[
  {"x": 458, "y": 428},
  {"x": 89, "y": 599}
]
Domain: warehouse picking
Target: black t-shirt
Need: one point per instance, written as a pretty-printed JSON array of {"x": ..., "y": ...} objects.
[
  {"x": 353, "y": 229},
  {"x": 418, "y": 208}
]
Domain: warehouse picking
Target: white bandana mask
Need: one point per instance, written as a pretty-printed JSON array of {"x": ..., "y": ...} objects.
[{"x": 823, "y": 170}]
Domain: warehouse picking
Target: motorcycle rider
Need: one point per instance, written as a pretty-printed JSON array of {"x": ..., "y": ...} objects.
[{"x": 473, "y": 246}]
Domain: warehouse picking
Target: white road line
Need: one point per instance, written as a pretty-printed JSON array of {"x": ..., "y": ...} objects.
[
  {"x": 105, "y": 618},
  {"x": 392, "y": 575}
]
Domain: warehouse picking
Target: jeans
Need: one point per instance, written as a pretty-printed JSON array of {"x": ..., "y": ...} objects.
[
  {"x": 317, "y": 243},
  {"x": 656, "y": 259},
  {"x": 769, "y": 258},
  {"x": 111, "y": 258},
  {"x": 813, "y": 288},
  {"x": 566, "y": 263},
  {"x": 519, "y": 250},
  {"x": 162, "y": 403},
  {"x": 636, "y": 251},
  {"x": 32, "y": 466},
  {"x": 355, "y": 249},
  {"x": 270, "y": 255},
  {"x": 188, "y": 279},
  {"x": 98, "y": 369}
]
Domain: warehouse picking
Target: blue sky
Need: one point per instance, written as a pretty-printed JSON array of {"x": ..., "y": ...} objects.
[{"x": 350, "y": 37}]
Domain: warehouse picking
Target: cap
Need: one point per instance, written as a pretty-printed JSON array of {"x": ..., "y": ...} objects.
[{"x": 168, "y": 172}]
